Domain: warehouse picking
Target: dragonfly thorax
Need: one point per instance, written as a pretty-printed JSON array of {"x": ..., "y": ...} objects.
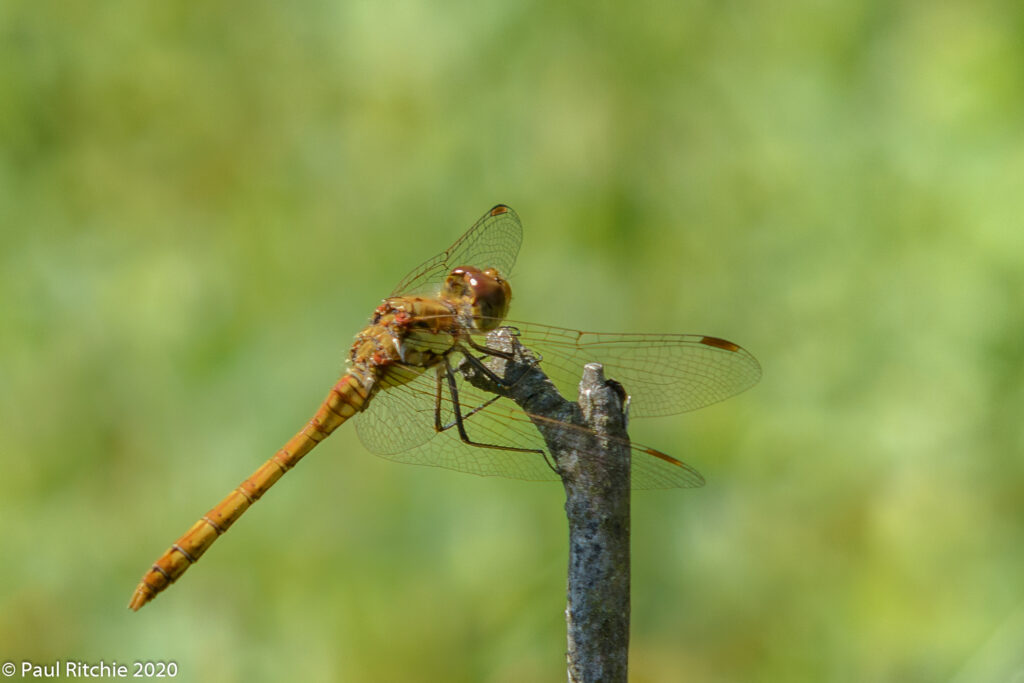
[{"x": 484, "y": 292}]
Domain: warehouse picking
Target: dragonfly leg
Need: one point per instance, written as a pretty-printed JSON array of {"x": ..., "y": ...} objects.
[
  {"x": 485, "y": 371},
  {"x": 438, "y": 425},
  {"x": 444, "y": 428},
  {"x": 533, "y": 358},
  {"x": 461, "y": 427},
  {"x": 437, "y": 405},
  {"x": 479, "y": 365},
  {"x": 490, "y": 351},
  {"x": 530, "y": 357}
]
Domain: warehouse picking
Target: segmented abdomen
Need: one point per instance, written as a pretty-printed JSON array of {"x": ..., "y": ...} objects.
[{"x": 346, "y": 398}]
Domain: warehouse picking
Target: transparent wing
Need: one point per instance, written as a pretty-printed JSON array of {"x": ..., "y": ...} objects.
[
  {"x": 664, "y": 374},
  {"x": 399, "y": 417},
  {"x": 400, "y": 425},
  {"x": 492, "y": 242}
]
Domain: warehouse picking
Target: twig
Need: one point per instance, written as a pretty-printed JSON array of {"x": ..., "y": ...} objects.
[{"x": 590, "y": 448}]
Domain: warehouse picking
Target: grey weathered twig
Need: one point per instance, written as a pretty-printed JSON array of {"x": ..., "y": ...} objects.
[{"x": 591, "y": 452}]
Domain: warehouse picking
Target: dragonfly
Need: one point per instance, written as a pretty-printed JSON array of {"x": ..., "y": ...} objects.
[{"x": 411, "y": 403}]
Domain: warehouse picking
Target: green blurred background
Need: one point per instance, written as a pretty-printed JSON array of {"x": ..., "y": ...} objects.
[{"x": 201, "y": 203}]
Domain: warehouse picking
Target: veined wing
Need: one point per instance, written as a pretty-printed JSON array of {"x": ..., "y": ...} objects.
[
  {"x": 400, "y": 425},
  {"x": 664, "y": 374},
  {"x": 492, "y": 242}
]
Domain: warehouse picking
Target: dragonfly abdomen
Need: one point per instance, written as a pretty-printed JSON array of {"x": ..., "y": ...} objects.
[{"x": 346, "y": 398}]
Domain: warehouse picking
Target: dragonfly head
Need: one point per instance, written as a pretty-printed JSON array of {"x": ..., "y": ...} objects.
[{"x": 484, "y": 291}]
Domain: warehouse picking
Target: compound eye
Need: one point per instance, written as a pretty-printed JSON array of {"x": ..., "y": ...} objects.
[{"x": 491, "y": 300}]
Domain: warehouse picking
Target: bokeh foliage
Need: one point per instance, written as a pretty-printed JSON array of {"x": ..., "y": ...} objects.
[{"x": 201, "y": 203}]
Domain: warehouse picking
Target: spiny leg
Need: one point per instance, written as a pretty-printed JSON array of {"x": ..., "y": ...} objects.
[
  {"x": 507, "y": 355},
  {"x": 461, "y": 427},
  {"x": 533, "y": 359},
  {"x": 459, "y": 419},
  {"x": 478, "y": 364},
  {"x": 438, "y": 426}
]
